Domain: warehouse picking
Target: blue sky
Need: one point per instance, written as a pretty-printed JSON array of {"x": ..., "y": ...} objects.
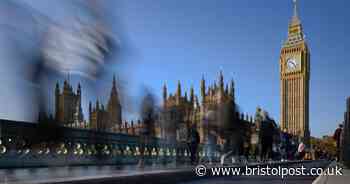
[{"x": 166, "y": 41}]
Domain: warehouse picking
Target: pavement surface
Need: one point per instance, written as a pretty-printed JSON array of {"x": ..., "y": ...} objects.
[
  {"x": 133, "y": 174},
  {"x": 344, "y": 179},
  {"x": 255, "y": 180},
  {"x": 335, "y": 179},
  {"x": 81, "y": 173}
]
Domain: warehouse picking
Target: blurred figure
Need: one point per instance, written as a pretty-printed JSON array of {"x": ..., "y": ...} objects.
[
  {"x": 232, "y": 132},
  {"x": 293, "y": 149},
  {"x": 193, "y": 140},
  {"x": 285, "y": 144},
  {"x": 38, "y": 47},
  {"x": 267, "y": 131},
  {"x": 148, "y": 117},
  {"x": 317, "y": 153},
  {"x": 20, "y": 38},
  {"x": 148, "y": 114},
  {"x": 301, "y": 150},
  {"x": 337, "y": 137},
  {"x": 212, "y": 141}
]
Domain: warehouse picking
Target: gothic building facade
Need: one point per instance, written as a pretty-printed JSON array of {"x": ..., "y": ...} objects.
[
  {"x": 179, "y": 113},
  {"x": 107, "y": 118},
  {"x": 212, "y": 115},
  {"x": 68, "y": 109}
]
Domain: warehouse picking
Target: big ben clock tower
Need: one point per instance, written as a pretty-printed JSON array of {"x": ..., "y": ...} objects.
[{"x": 295, "y": 80}]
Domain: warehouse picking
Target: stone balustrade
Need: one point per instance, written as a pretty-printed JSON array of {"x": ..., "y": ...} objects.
[{"x": 22, "y": 145}]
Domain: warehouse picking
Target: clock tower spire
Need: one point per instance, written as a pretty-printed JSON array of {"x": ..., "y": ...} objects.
[
  {"x": 295, "y": 8},
  {"x": 295, "y": 29},
  {"x": 294, "y": 80}
]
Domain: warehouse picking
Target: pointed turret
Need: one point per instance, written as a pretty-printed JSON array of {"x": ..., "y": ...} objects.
[
  {"x": 221, "y": 81},
  {"x": 79, "y": 89},
  {"x": 203, "y": 88},
  {"x": 178, "y": 93},
  {"x": 192, "y": 95},
  {"x": 165, "y": 93},
  {"x": 178, "y": 90},
  {"x": 65, "y": 85},
  {"x": 232, "y": 89},
  {"x": 114, "y": 90},
  {"x": 97, "y": 105},
  {"x": 57, "y": 89},
  {"x": 114, "y": 106}
]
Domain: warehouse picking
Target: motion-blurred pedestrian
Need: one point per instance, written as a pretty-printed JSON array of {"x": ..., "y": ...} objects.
[
  {"x": 194, "y": 140},
  {"x": 336, "y": 137}
]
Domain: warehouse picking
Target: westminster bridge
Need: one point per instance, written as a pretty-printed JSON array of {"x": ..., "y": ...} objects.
[
  {"x": 25, "y": 144},
  {"x": 34, "y": 153}
]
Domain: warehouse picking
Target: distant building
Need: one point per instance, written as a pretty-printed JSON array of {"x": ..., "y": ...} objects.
[
  {"x": 108, "y": 118},
  {"x": 211, "y": 116},
  {"x": 178, "y": 114},
  {"x": 101, "y": 118},
  {"x": 215, "y": 115},
  {"x": 218, "y": 108},
  {"x": 68, "y": 109}
]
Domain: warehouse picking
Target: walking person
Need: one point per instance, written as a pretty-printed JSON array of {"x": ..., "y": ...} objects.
[
  {"x": 194, "y": 140},
  {"x": 212, "y": 140},
  {"x": 301, "y": 151},
  {"x": 337, "y": 138},
  {"x": 285, "y": 144}
]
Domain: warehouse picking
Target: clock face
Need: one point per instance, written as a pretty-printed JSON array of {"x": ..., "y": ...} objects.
[{"x": 291, "y": 64}]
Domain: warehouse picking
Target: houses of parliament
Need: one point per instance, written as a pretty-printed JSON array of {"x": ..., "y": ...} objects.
[
  {"x": 182, "y": 112},
  {"x": 68, "y": 110},
  {"x": 211, "y": 113}
]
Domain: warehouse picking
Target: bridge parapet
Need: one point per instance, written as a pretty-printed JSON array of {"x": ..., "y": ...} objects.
[{"x": 25, "y": 144}]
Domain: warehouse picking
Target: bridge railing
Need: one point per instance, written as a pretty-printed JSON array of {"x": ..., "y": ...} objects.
[{"x": 22, "y": 145}]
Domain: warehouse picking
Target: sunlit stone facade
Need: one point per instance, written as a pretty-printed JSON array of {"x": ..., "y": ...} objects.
[
  {"x": 68, "y": 109},
  {"x": 180, "y": 112},
  {"x": 295, "y": 81}
]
